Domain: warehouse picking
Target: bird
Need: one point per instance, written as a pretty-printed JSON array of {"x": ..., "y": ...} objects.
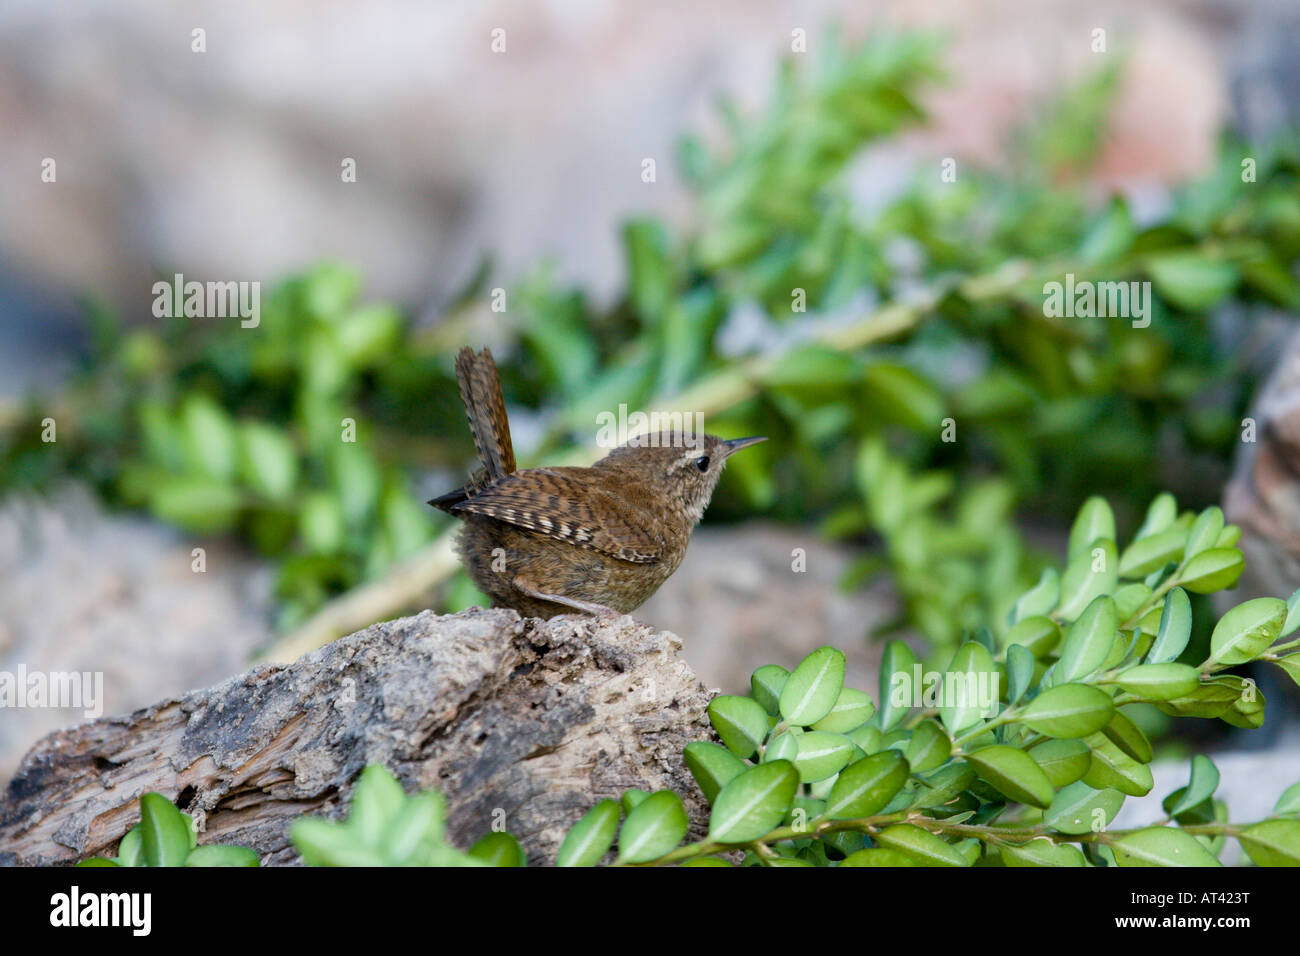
[{"x": 597, "y": 540}]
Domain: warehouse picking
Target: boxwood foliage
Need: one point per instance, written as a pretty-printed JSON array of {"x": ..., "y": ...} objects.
[{"x": 1019, "y": 751}]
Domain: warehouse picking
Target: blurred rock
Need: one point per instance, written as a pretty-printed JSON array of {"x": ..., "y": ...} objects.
[
  {"x": 1263, "y": 495},
  {"x": 83, "y": 591},
  {"x": 739, "y": 605}
]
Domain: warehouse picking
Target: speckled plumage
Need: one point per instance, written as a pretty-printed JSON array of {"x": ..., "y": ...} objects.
[{"x": 549, "y": 541}]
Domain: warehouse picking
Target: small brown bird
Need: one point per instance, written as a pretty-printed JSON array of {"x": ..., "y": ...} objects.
[{"x": 601, "y": 540}]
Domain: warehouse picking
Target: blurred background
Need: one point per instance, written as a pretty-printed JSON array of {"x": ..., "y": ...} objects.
[{"x": 646, "y": 187}]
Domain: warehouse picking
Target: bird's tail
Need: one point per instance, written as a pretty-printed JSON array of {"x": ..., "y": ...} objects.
[{"x": 485, "y": 406}]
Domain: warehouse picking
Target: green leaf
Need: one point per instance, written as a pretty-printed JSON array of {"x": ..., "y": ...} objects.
[
  {"x": 1287, "y": 804},
  {"x": 877, "y": 856},
  {"x": 863, "y": 788},
  {"x": 593, "y": 835},
  {"x": 896, "y": 664},
  {"x": 754, "y": 803},
  {"x": 1247, "y": 711},
  {"x": 813, "y": 687},
  {"x": 1088, "y": 641},
  {"x": 1247, "y": 630},
  {"x": 199, "y": 505},
  {"x": 211, "y": 448},
  {"x": 1213, "y": 570},
  {"x": 1210, "y": 699},
  {"x": 320, "y": 522},
  {"x": 1094, "y": 520},
  {"x": 1128, "y": 737},
  {"x": 1020, "y": 672},
  {"x": 713, "y": 767},
  {"x": 357, "y": 483},
  {"x": 222, "y": 856},
  {"x": 1273, "y": 842},
  {"x": 657, "y": 825},
  {"x": 1093, "y": 573},
  {"x": 164, "y": 832},
  {"x": 130, "y": 852},
  {"x": 1069, "y": 711},
  {"x": 1079, "y": 808},
  {"x": 1129, "y": 599},
  {"x": 1161, "y": 846},
  {"x": 868, "y": 738},
  {"x": 98, "y": 861},
  {"x": 740, "y": 723},
  {"x": 1191, "y": 280},
  {"x": 852, "y": 709},
  {"x": 929, "y": 747},
  {"x": 368, "y": 335},
  {"x": 498, "y": 849},
  {"x": 420, "y": 818},
  {"x": 1290, "y": 666},
  {"x": 1110, "y": 236},
  {"x": 1204, "y": 532},
  {"x": 1152, "y": 553},
  {"x": 944, "y": 786},
  {"x": 1042, "y": 852},
  {"x": 821, "y": 755},
  {"x": 376, "y": 800},
  {"x": 901, "y": 395},
  {"x": 969, "y": 688},
  {"x": 1201, "y": 786},
  {"x": 1175, "y": 628},
  {"x": 1161, "y": 513},
  {"x": 1113, "y": 769},
  {"x": 1292, "y": 614},
  {"x": 323, "y": 843},
  {"x": 813, "y": 365},
  {"x": 920, "y": 846},
  {"x": 1039, "y": 634},
  {"x": 1159, "y": 681},
  {"x": 1040, "y": 599},
  {"x": 1013, "y": 774},
  {"x": 765, "y": 686},
  {"x": 1064, "y": 761},
  {"x": 784, "y": 746},
  {"x": 269, "y": 464}
]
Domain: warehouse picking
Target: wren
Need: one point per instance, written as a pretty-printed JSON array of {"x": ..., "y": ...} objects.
[{"x": 598, "y": 540}]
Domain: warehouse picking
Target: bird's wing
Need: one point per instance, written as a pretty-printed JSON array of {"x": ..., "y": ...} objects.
[{"x": 568, "y": 505}]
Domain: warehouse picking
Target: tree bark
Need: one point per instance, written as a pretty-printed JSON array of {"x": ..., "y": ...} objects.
[{"x": 519, "y": 721}]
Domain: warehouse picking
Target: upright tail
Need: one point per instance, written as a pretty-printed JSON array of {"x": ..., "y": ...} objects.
[{"x": 485, "y": 406}]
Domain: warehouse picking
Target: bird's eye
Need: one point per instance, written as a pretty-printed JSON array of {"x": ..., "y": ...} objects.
[{"x": 702, "y": 463}]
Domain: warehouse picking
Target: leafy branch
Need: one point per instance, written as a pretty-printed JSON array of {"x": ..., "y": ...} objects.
[{"x": 1027, "y": 749}]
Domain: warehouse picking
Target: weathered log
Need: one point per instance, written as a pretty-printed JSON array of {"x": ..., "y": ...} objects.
[{"x": 538, "y": 719}]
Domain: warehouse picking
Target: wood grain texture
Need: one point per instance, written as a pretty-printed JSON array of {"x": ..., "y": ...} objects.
[{"x": 539, "y": 719}]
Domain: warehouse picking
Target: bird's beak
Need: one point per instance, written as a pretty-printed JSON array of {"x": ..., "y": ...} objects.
[{"x": 735, "y": 444}]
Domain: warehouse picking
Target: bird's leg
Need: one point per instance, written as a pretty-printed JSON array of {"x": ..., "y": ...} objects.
[{"x": 588, "y": 607}]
